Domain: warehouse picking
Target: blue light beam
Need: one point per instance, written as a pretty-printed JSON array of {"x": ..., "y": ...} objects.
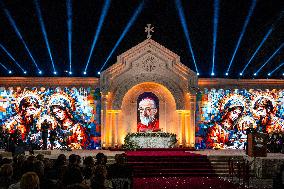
[
  {"x": 242, "y": 32},
  {"x": 41, "y": 22},
  {"x": 215, "y": 27},
  {"x": 126, "y": 29},
  {"x": 99, "y": 27},
  {"x": 270, "y": 73},
  {"x": 256, "y": 51},
  {"x": 9, "y": 71},
  {"x": 13, "y": 24},
  {"x": 275, "y": 52},
  {"x": 185, "y": 30},
  {"x": 9, "y": 54},
  {"x": 69, "y": 28}
]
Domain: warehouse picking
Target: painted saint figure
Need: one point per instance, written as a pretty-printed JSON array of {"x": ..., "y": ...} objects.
[
  {"x": 148, "y": 115},
  {"x": 28, "y": 110},
  {"x": 264, "y": 112},
  {"x": 219, "y": 134},
  {"x": 71, "y": 133}
]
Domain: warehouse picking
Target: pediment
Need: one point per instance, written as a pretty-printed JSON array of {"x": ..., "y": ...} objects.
[
  {"x": 148, "y": 62},
  {"x": 148, "y": 46},
  {"x": 149, "y": 57}
]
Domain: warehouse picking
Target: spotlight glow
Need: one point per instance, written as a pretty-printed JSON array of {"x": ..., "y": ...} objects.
[
  {"x": 9, "y": 54},
  {"x": 70, "y": 73},
  {"x": 99, "y": 27},
  {"x": 255, "y": 74},
  {"x": 185, "y": 30},
  {"x": 126, "y": 29},
  {"x": 99, "y": 73},
  {"x": 215, "y": 27},
  {"x": 241, "y": 74},
  {"x": 276, "y": 68},
  {"x": 242, "y": 32},
  {"x": 227, "y": 74},
  {"x": 197, "y": 73},
  {"x": 69, "y": 28},
  {"x": 256, "y": 51},
  {"x": 85, "y": 73},
  {"x": 25, "y": 72},
  {"x": 13, "y": 24},
  {"x": 39, "y": 15},
  {"x": 269, "y": 74},
  {"x": 275, "y": 52},
  {"x": 212, "y": 74},
  {"x": 10, "y": 72},
  {"x": 54, "y": 73},
  {"x": 40, "y": 72}
]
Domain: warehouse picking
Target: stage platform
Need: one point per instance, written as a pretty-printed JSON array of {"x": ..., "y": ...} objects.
[{"x": 83, "y": 153}]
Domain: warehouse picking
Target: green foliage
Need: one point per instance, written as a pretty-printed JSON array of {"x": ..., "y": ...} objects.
[{"x": 131, "y": 145}]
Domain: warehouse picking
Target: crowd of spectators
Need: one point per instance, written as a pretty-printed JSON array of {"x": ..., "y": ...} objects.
[{"x": 38, "y": 172}]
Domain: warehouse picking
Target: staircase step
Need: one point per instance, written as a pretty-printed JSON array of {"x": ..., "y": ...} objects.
[
  {"x": 184, "y": 165},
  {"x": 176, "y": 174}
]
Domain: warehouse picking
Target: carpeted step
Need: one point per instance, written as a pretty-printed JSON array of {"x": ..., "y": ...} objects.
[
  {"x": 168, "y": 174},
  {"x": 163, "y": 170},
  {"x": 169, "y": 163},
  {"x": 182, "y": 182},
  {"x": 166, "y": 159}
]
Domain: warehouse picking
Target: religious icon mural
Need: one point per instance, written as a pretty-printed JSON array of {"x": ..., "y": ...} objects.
[
  {"x": 148, "y": 113},
  {"x": 51, "y": 117},
  {"x": 225, "y": 116}
]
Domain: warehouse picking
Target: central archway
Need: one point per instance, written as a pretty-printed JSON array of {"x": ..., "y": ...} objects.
[{"x": 168, "y": 116}]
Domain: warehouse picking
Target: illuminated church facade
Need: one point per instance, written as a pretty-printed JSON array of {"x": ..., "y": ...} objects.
[{"x": 202, "y": 112}]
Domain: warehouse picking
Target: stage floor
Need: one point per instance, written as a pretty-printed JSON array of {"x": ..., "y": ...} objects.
[{"x": 52, "y": 154}]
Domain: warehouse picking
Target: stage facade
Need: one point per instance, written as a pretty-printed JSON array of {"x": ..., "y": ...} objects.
[{"x": 148, "y": 90}]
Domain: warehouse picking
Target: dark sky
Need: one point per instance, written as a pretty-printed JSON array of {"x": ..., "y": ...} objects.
[{"x": 168, "y": 32}]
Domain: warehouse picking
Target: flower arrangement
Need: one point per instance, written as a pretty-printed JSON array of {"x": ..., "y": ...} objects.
[{"x": 131, "y": 144}]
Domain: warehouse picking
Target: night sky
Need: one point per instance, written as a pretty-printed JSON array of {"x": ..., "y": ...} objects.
[{"x": 163, "y": 15}]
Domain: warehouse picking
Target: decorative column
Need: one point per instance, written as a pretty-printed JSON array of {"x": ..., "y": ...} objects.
[
  {"x": 110, "y": 128},
  {"x": 179, "y": 134},
  {"x": 115, "y": 126},
  {"x": 192, "y": 119},
  {"x": 187, "y": 128},
  {"x": 116, "y": 129},
  {"x": 103, "y": 119}
]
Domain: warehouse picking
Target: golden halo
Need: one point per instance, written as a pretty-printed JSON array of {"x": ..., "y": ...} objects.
[
  {"x": 232, "y": 100},
  {"x": 28, "y": 94},
  {"x": 61, "y": 99}
]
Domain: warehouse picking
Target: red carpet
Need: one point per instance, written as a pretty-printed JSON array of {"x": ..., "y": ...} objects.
[
  {"x": 160, "y": 153},
  {"x": 169, "y": 163},
  {"x": 183, "y": 183}
]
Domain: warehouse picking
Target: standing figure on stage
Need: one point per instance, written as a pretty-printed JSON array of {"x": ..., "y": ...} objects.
[
  {"x": 52, "y": 137},
  {"x": 45, "y": 126},
  {"x": 72, "y": 133},
  {"x": 148, "y": 114}
]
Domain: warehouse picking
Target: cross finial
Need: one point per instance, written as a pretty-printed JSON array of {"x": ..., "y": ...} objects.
[{"x": 149, "y": 29}]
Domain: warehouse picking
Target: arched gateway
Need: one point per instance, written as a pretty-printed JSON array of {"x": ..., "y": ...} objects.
[{"x": 148, "y": 68}]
